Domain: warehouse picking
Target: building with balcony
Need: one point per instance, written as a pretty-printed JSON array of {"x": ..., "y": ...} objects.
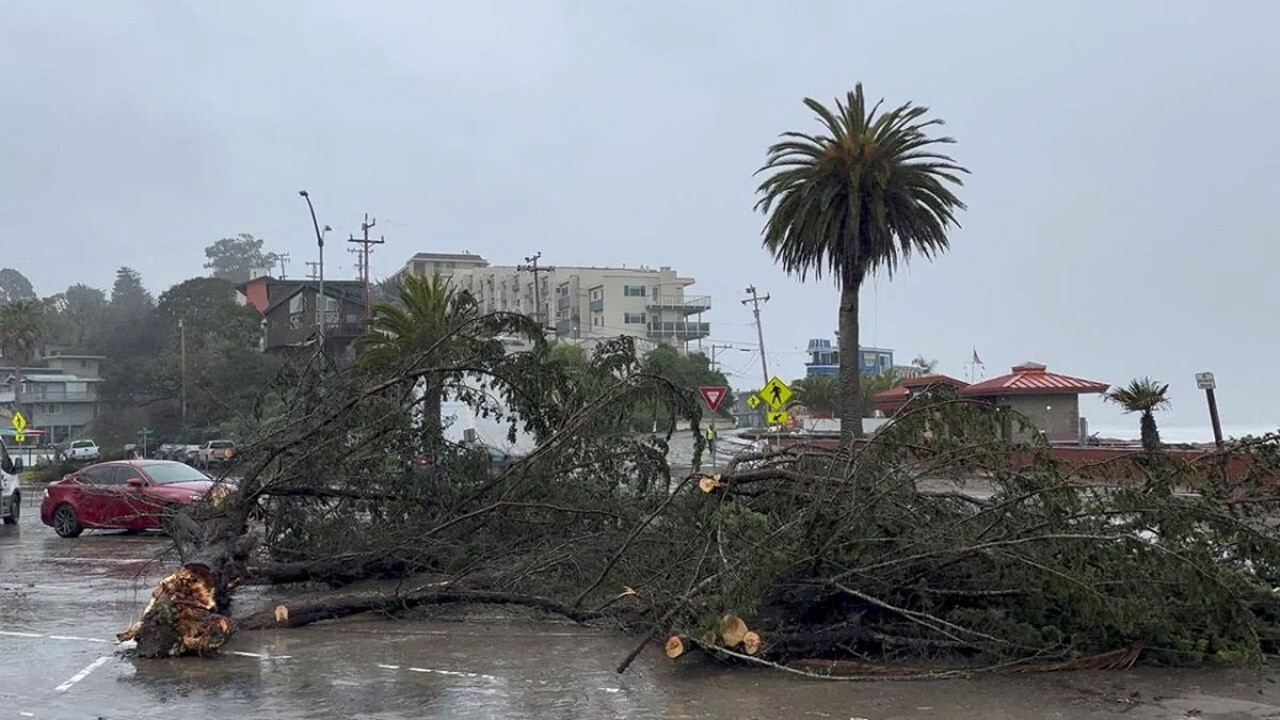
[
  {"x": 824, "y": 359},
  {"x": 59, "y": 396},
  {"x": 442, "y": 264},
  {"x": 584, "y": 303},
  {"x": 291, "y": 311}
]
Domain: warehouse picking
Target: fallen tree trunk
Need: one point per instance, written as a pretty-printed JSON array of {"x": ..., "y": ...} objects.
[
  {"x": 332, "y": 607},
  {"x": 182, "y": 617}
]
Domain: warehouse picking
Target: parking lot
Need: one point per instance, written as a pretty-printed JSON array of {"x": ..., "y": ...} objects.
[{"x": 62, "y": 601}]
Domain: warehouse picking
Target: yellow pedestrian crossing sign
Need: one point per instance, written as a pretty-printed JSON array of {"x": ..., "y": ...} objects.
[
  {"x": 754, "y": 401},
  {"x": 778, "y": 417},
  {"x": 19, "y": 422},
  {"x": 776, "y": 394}
]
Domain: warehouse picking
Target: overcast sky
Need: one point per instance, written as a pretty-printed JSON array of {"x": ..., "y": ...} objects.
[{"x": 1123, "y": 205}]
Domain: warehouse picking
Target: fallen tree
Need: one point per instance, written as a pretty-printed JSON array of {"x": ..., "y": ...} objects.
[{"x": 927, "y": 544}]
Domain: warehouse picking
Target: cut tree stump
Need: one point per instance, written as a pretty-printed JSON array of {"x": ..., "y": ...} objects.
[
  {"x": 181, "y": 618},
  {"x": 675, "y": 647},
  {"x": 732, "y": 630},
  {"x": 751, "y": 643}
]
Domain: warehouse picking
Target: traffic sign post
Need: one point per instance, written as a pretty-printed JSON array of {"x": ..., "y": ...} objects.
[
  {"x": 1206, "y": 382},
  {"x": 19, "y": 426},
  {"x": 776, "y": 394},
  {"x": 754, "y": 401},
  {"x": 713, "y": 396},
  {"x": 145, "y": 433}
]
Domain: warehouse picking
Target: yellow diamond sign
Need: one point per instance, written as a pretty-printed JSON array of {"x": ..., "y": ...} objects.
[
  {"x": 776, "y": 394},
  {"x": 778, "y": 417},
  {"x": 19, "y": 422},
  {"x": 754, "y": 401}
]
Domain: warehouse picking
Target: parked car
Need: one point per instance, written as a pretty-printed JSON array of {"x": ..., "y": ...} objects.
[
  {"x": 167, "y": 451},
  {"x": 189, "y": 454},
  {"x": 83, "y": 451},
  {"x": 215, "y": 452},
  {"x": 122, "y": 495},
  {"x": 10, "y": 494}
]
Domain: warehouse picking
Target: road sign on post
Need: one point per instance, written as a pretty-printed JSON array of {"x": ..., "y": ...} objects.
[
  {"x": 776, "y": 394},
  {"x": 753, "y": 401},
  {"x": 19, "y": 422},
  {"x": 1206, "y": 382},
  {"x": 779, "y": 417},
  {"x": 713, "y": 396}
]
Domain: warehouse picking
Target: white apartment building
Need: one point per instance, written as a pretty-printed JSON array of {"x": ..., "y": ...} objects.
[{"x": 581, "y": 303}]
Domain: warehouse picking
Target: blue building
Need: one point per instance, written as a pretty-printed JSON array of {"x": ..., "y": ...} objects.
[{"x": 824, "y": 359}]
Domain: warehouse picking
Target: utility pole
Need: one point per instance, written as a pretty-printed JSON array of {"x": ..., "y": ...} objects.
[
  {"x": 715, "y": 365},
  {"x": 182, "y": 344},
  {"x": 532, "y": 266},
  {"x": 755, "y": 301},
  {"x": 311, "y": 265},
  {"x": 366, "y": 246},
  {"x": 320, "y": 244},
  {"x": 282, "y": 259}
]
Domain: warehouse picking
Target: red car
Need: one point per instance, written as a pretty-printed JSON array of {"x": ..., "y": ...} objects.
[{"x": 129, "y": 495}]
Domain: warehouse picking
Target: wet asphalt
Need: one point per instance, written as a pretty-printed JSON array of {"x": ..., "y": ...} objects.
[{"x": 62, "y": 601}]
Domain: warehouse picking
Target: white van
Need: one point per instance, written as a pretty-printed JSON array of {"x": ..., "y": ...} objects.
[{"x": 10, "y": 497}]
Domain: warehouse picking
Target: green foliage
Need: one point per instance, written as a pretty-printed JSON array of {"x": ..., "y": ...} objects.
[
  {"x": 819, "y": 393},
  {"x": 21, "y": 330},
  {"x": 863, "y": 196},
  {"x": 232, "y": 259},
  {"x": 15, "y": 287},
  {"x": 1143, "y": 396}
]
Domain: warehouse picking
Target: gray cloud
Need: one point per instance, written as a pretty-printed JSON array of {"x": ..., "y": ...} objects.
[{"x": 1124, "y": 187}]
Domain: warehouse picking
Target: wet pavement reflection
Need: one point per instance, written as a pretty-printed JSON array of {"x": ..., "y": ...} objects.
[{"x": 62, "y": 601}]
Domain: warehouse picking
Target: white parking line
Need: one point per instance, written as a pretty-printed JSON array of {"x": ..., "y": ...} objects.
[
  {"x": 241, "y": 653},
  {"x": 82, "y": 674},
  {"x": 14, "y": 633},
  {"x": 452, "y": 673}
]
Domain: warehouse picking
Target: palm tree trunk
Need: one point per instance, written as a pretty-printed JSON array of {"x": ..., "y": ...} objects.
[
  {"x": 1150, "y": 434},
  {"x": 850, "y": 408}
]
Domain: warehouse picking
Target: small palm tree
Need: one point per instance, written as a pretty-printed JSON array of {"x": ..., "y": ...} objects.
[
  {"x": 21, "y": 331},
  {"x": 424, "y": 327},
  {"x": 1144, "y": 396},
  {"x": 862, "y": 196},
  {"x": 819, "y": 393},
  {"x": 872, "y": 386}
]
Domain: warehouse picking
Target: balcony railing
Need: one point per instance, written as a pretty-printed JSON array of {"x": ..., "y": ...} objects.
[
  {"x": 680, "y": 329},
  {"x": 59, "y": 396},
  {"x": 597, "y": 305},
  {"x": 687, "y": 304}
]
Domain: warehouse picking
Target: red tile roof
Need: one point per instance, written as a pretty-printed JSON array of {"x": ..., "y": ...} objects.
[
  {"x": 925, "y": 380},
  {"x": 1034, "y": 379},
  {"x": 891, "y": 400}
]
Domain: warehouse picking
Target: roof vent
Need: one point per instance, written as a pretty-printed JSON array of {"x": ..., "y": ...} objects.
[{"x": 1029, "y": 367}]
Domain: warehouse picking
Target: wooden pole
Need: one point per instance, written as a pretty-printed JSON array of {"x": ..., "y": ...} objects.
[{"x": 1213, "y": 416}]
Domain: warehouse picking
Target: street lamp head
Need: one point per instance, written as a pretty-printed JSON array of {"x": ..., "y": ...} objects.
[{"x": 303, "y": 193}]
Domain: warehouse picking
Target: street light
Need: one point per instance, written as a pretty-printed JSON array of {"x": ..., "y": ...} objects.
[{"x": 320, "y": 244}]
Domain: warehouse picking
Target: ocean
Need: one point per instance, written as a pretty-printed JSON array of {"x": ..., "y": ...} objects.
[{"x": 1182, "y": 433}]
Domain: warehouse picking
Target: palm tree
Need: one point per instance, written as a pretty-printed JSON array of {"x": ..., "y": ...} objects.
[
  {"x": 1144, "y": 396},
  {"x": 423, "y": 326},
  {"x": 21, "y": 331},
  {"x": 819, "y": 393},
  {"x": 863, "y": 196},
  {"x": 872, "y": 386}
]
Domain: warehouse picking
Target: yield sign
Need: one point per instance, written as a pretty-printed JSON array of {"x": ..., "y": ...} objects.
[{"x": 713, "y": 396}]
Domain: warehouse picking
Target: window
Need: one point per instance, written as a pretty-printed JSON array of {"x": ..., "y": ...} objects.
[
  {"x": 633, "y": 318},
  {"x": 633, "y": 290},
  {"x": 869, "y": 359},
  {"x": 174, "y": 473},
  {"x": 84, "y": 363},
  {"x": 597, "y": 293},
  {"x": 50, "y": 409},
  {"x": 100, "y": 475}
]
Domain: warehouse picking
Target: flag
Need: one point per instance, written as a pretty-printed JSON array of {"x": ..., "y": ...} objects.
[{"x": 976, "y": 360}]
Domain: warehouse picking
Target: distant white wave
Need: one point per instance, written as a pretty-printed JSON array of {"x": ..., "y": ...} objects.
[{"x": 1183, "y": 433}]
